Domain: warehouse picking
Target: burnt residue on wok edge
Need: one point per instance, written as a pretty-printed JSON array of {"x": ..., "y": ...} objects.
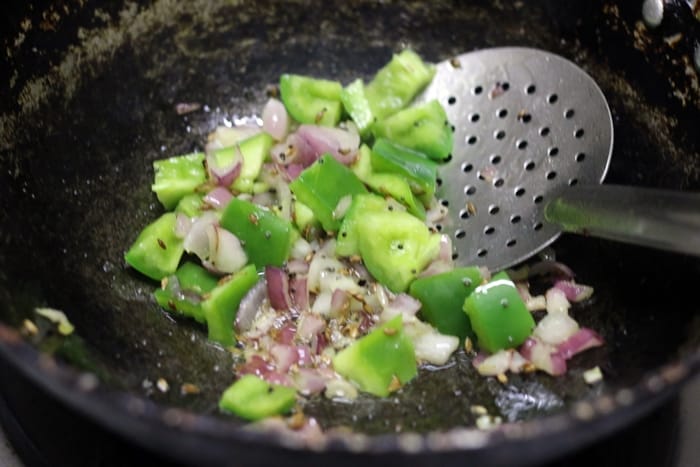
[{"x": 115, "y": 110}]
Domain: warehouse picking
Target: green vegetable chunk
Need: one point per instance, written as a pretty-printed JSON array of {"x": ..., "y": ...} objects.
[
  {"x": 442, "y": 297},
  {"x": 254, "y": 151},
  {"x": 311, "y": 100},
  {"x": 379, "y": 360},
  {"x": 420, "y": 172},
  {"x": 253, "y": 398},
  {"x": 190, "y": 205},
  {"x": 398, "y": 188},
  {"x": 183, "y": 291},
  {"x": 322, "y": 185},
  {"x": 347, "y": 238},
  {"x": 178, "y": 176},
  {"x": 395, "y": 247},
  {"x": 498, "y": 315},
  {"x": 266, "y": 238},
  {"x": 221, "y": 306},
  {"x": 157, "y": 250},
  {"x": 357, "y": 106},
  {"x": 397, "y": 83},
  {"x": 424, "y": 129}
]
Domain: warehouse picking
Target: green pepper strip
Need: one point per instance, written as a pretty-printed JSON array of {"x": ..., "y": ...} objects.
[
  {"x": 178, "y": 176},
  {"x": 192, "y": 282},
  {"x": 420, "y": 171},
  {"x": 157, "y": 250},
  {"x": 311, "y": 100},
  {"x": 253, "y": 398},
  {"x": 498, "y": 314}
]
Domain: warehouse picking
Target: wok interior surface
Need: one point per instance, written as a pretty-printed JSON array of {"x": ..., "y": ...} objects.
[{"x": 91, "y": 99}]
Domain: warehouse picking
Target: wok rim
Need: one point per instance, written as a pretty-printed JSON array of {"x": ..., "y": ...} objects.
[{"x": 154, "y": 426}]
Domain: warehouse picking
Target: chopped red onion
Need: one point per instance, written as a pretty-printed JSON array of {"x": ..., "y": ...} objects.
[
  {"x": 299, "y": 292},
  {"x": 294, "y": 150},
  {"x": 275, "y": 377},
  {"x": 278, "y": 288},
  {"x": 183, "y": 224},
  {"x": 584, "y": 339},
  {"x": 341, "y": 144},
  {"x": 445, "y": 249},
  {"x": 303, "y": 353},
  {"x": 574, "y": 292},
  {"x": 286, "y": 334},
  {"x": 275, "y": 119},
  {"x": 309, "y": 325},
  {"x": 436, "y": 267},
  {"x": 297, "y": 266},
  {"x": 293, "y": 171},
  {"x": 249, "y": 305},
  {"x": 218, "y": 198},
  {"x": 340, "y": 301},
  {"x": 429, "y": 345},
  {"x": 543, "y": 356},
  {"x": 225, "y": 175},
  {"x": 556, "y": 301},
  {"x": 284, "y": 356},
  {"x": 255, "y": 365},
  {"x": 402, "y": 304},
  {"x": 197, "y": 239},
  {"x": 309, "y": 381},
  {"x": 494, "y": 364}
]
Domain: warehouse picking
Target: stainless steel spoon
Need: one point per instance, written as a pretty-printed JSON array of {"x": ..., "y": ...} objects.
[{"x": 533, "y": 137}]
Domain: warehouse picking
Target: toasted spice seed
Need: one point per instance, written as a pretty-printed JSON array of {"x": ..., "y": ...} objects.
[
  {"x": 468, "y": 345},
  {"x": 171, "y": 305},
  {"x": 455, "y": 62},
  {"x": 29, "y": 328},
  {"x": 319, "y": 116},
  {"x": 478, "y": 410},
  {"x": 502, "y": 378},
  {"x": 296, "y": 421},
  {"x": 528, "y": 367},
  {"x": 253, "y": 219},
  {"x": 189, "y": 388},
  {"x": 390, "y": 331},
  {"x": 395, "y": 384},
  {"x": 162, "y": 244},
  {"x": 471, "y": 208},
  {"x": 162, "y": 385}
]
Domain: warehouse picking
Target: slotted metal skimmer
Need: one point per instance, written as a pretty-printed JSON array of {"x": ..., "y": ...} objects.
[{"x": 527, "y": 126}]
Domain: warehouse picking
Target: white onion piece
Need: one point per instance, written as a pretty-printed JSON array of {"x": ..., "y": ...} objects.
[
  {"x": 574, "y": 292},
  {"x": 225, "y": 136},
  {"x": 322, "y": 304},
  {"x": 300, "y": 250},
  {"x": 495, "y": 364},
  {"x": 517, "y": 362},
  {"x": 275, "y": 119},
  {"x": 299, "y": 292},
  {"x": 555, "y": 328},
  {"x": 218, "y": 198},
  {"x": 197, "y": 239},
  {"x": 294, "y": 151},
  {"x": 556, "y": 301},
  {"x": 429, "y": 345},
  {"x": 309, "y": 325},
  {"x": 435, "y": 213},
  {"x": 284, "y": 199},
  {"x": 183, "y": 224},
  {"x": 320, "y": 267},
  {"x": 226, "y": 254},
  {"x": 309, "y": 381},
  {"x": 340, "y": 389},
  {"x": 341, "y": 144},
  {"x": 436, "y": 267},
  {"x": 284, "y": 356},
  {"x": 249, "y": 306},
  {"x": 536, "y": 303},
  {"x": 297, "y": 266},
  {"x": 445, "y": 249},
  {"x": 340, "y": 301},
  {"x": 403, "y": 304}
]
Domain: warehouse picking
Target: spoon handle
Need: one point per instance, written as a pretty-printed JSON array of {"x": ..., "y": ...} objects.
[{"x": 668, "y": 220}]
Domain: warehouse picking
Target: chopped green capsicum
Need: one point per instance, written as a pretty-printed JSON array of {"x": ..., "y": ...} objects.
[
  {"x": 356, "y": 105},
  {"x": 347, "y": 238},
  {"x": 311, "y": 100},
  {"x": 157, "y": 250},
  {"x": 395, "y": 247},
  {"x": 183, "y": 292},
  {"x": 423, "y": 128},
  {"x": 381, "y": 361},
  {"x": 221, "y": 304},
  {"x": 253, "y": 398},
  {"x": 321, "y": 187},
  {"x": 498, "y": 314},
  {"x": 190, "y": 205},
  {"x": 178, "y": 176},
  {"x": 419, "y": 171},
  {"x": 397, "y": 83},
  {"x": 266, "y": 238},
  {"x": 442, "y": 297},
  {"x": 254, "y": 150}
]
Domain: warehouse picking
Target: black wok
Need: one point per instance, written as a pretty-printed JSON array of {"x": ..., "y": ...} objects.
[{"x": 88, "y": 102}]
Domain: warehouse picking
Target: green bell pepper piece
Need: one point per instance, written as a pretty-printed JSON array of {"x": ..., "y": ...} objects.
[
  {"x": 419, "y": 171},
  {"x": 178, "y": 176},
  {"x": 221, "y": 305},
  {"x": 347, "y": 238},
  {"x": 253, "y": 398},
  {"x": 311, "y": 100},
  {"x": 397, "y": 83},
  {"x": 376, "y": 360},
  {"x": 424, "y": 129},
  {"x": 254, "y": 151},
  {"x": 265, "y": 237},
  {"x": 322, "y": 185},
  {"x": 190, "y": 205},
  {"x": 357, "y": 106},
  {"x": 157, "y": 250},
  {"x": 395, "y": 247},
  {"x": 442, "y": 297},
  {"x": 498, "y": 315},
  {"x": 192, "y": 282},
  {"x": 398, "y": 188}
]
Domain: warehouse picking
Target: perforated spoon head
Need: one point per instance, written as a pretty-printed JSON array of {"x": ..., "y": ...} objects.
[{"x": 527, "y": 125}]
